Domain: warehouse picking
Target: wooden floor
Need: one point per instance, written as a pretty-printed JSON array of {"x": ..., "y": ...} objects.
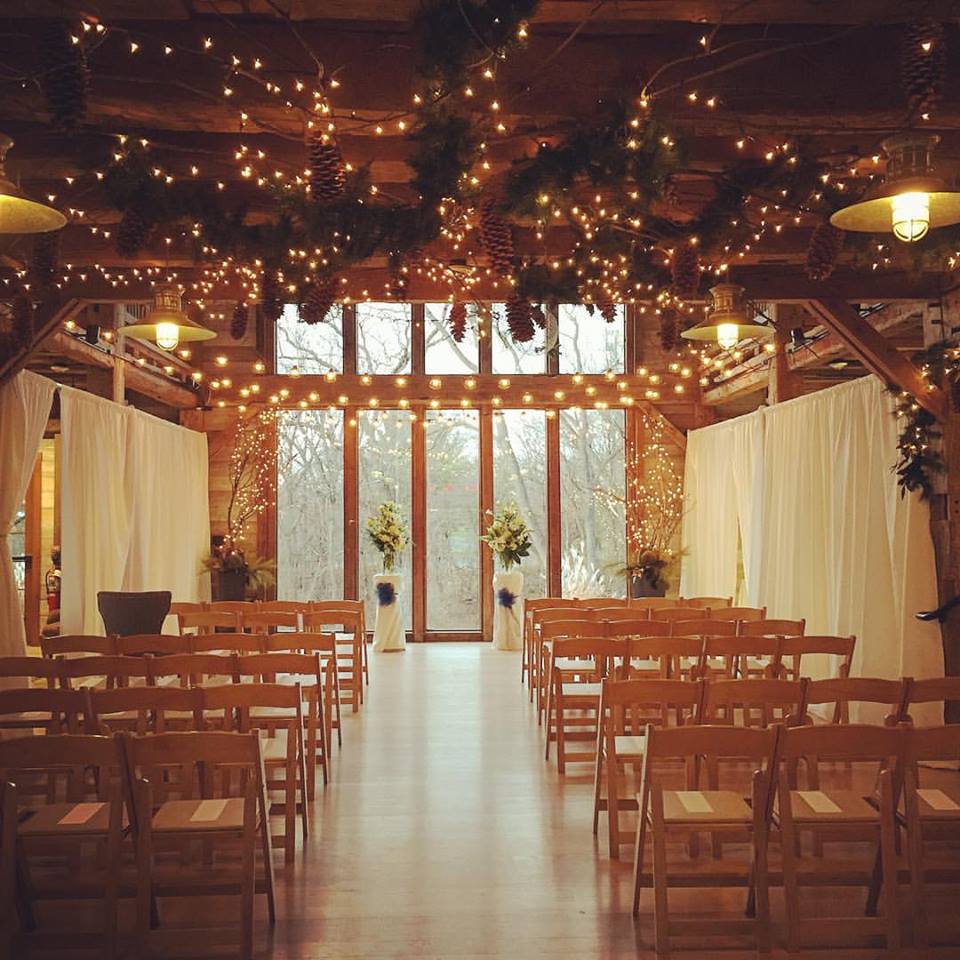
[{"x": 446, "y": 835}]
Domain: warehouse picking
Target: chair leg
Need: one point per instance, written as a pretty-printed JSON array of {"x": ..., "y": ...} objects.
[
  {"x": 789, "y": 853},
  {"x": 597, "y": 779},
  {"x": 561, "y": 733},
  {"x": 144, "y": 804},
  {"x": 613, "y": 808},
  {"x": 889, "y": 861},
  {"x": 638, "y": 851},
  {"x": 661, "y": 918},
  {"x": 248, "y": 868}
]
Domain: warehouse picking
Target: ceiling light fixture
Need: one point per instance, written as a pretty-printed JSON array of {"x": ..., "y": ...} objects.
[
  {"x": 18, "y": 213},
  {"x": 728, "y": 321},
  {"x": 166, "y": 324}
]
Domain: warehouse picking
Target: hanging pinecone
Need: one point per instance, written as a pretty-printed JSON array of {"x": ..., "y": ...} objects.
[
  {"x": 496, "y": 238},
  {"x": 685, "y": 270},
  {"x": 458, "y": 320},
  {"x": 271, "y": 297},
  {"x": 923, "y": 59},
  {"x": 44, "y": 261},
  {"x": 538, "y": 316},
  {"x": 22, "y": 322},
  {"x": 327, "y": 174},
  {"x": 319, "y": 300},
  {"x": 238, "y": 321},
  {"x": 519, "y": 320},
  {"x": 608, "y": 310},
  {"x": 669, "y": 330},
  {"x": 823, "y": 250},
  {"x": 670, "y": 194},
  {"x": 133, "y": 232},
  {"x": 66, "y": 78}
]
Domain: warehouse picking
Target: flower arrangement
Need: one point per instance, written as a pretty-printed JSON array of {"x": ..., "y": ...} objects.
[
  {"x": 508, "y": 536},
  {"x": 388, "y": 533}
]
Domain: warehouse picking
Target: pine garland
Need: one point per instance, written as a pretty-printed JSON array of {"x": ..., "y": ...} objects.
[
  {"x": 608, "y": 310},
  {"x": 133, "y": 232},
  {"x": 270, "y": 294},
  {"x": 685, "y": 270},
  {"x": 669, "y": 329},
  {"x": 238, "y": 320}
]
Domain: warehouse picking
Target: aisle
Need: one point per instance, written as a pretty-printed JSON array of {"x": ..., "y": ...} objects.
[{"x": 445, "y": 833}]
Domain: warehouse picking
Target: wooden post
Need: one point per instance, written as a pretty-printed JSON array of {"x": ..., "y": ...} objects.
[
  {"x": 119, "y": 352},
  {"x": 418, "y": 522},
  {"x": 554, "y": 530},
  {"x": 782, "y": 384},
  {"x": 486, "y": 506},
  {"x": 351, "y": 502}
]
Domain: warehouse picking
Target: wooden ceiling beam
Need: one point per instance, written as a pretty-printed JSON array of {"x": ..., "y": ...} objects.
[
  {"x": 49, "y": 314},
  {"x": 877, "y": 355}
]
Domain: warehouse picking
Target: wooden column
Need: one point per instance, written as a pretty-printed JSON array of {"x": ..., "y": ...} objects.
[
  {"x": 351, "y": 502},
  {"x": 418, "y": 522},
  {"x": 349, "y": 322},
  {"x": 486, "y": 509},
  {"x": 635, "y": 438},
  {"x": 782, "y": 384}
]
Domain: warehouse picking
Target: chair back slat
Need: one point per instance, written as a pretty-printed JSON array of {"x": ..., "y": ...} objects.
[
  {"x": 30, "y": 668},
  {"x": 738, "y": 613},
  {"x": 115, "y": 670},
  {"x": 704, "y": 628},
  {"x": 143, "y": 710},
  {"x": 677, "y": 612},
  {"x": 571, "y": 628},
  {"x": 56, "y": 711},
  {"x": 871, "y": 690},
  {"x": 193, "y": 669},
  {"x": 631, "y": 626},
  {"x": 77, "y": 643},
  {"x": 265, "y": 621},
  {"x": 710, "y": 603},
  {"x": 207, "y": 620},
  {"x": 772, "y": 628},
  {"x": 226, "y": 642},
  {"x": 852, "y": 741},
  {"x": 930, "y": 690},
  {"x": 155, "y": 643},
  {"x": 765, "y": 701}
]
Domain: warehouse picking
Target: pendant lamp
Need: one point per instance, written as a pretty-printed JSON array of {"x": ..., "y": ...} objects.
[
  {"x": 728, "y": 321},
  {"x": 19, "y": 214},
  {"x": 166, "y": 324}
]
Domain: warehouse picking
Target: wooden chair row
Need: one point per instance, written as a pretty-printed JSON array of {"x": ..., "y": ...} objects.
[
  {"x": 756, "y": 802},
  {"x": 298, "y": 615},
  {"x": 193, "y": 805}
]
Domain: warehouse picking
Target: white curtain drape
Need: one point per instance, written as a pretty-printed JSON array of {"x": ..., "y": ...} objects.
[
  {"x": 832, "y": 540},
  {"x": 24, "y": 410},
  {"x": 722, "y": 486},
  {"x": 134, "y": 509}
]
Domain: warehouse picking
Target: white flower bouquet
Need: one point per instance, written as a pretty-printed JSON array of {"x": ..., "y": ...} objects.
[
  {"x": 389, "y": 533},
  {"x": 508, "y": 536}
]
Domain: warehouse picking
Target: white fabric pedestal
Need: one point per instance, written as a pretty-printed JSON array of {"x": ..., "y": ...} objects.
[
  {"x": 507, "y": 620},
  {"x": 388, "y": 633}
]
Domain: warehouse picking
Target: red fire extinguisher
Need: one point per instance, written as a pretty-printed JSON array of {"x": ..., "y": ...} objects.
[{"x": 52, "y": 581}]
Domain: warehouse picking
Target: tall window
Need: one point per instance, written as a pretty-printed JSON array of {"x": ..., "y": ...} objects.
[
  {"x": 384, "y": 451},
  {"x": 589, "y": 344},
  {"x": 303, "y": 348},
  {"x": 520, "y": 477},
  {"x": 444, "y": 352},
  {"x": 453, "y": 494},
  {"x": 383, "y": 338},
  {"x": 310, "y": 504},
  {"x": 592, "y": 493},
  {"x": 510, "y": 356}
]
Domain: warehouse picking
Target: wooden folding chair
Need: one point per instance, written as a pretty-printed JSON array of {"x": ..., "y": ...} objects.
[
  {"x": 274, "y": 709},
  {"x": 930, "y": 690},
  {"x": 841, "y": 815},
  {"x": 796, "y": 648},
  {"x": 53, "y": 711},
  {"x": 226, "y": 643},
  {"x": 283, "y": 606},
  {"x": 655, "y": 603},
  {"x": 576, "y": 668},
  {"x": 676, "y": 612},
  {"x": 675, "y": 658},
  {"x": 64, "y": 849},
  {"x": 738, "y": 613},
  {"x": 70, "y": 644},
  {"x": 172, "y": 782},
  {"x": 231, "y": 606},
  {"x": 180, "y": 607},
  {"x": 207, "y": 621},
  {"x": 771, "y": 628},
  {"x": 78, "y": 673},
  {"x": 703, "y": 628},
  {"x": 531, "y": 610},
  {"x": 754, "y": 702},
  {"x": 315, "y": 679},
  {"x": 711, "y": 603},
  {"x": 627, "y": 707},
  {"x": 352, "y": 653},
  {"x": 872, "y": 691},
  {"x": 687, "y": 812},
  {"x": 27, "y": 669},
  {"x": 576, "y": 619},
  {"x": 195, "y": 669},
  {"x": 931, "y": 815},
  {"x": 270, "y": 621},
  {"x": 157, "y": 644},
  {"x": 629, "y": 625},
  {"x": 144, "y": 710}
]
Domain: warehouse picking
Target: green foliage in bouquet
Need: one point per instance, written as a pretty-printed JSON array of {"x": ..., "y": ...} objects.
[
  {"x": 389, "y": 534},
  {"x": 508, "y": 536}
]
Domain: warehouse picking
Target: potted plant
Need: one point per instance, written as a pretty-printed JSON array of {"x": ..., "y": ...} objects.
[
  {"x": 388, "y": 532},
  {"x": 508, "y": 536}
]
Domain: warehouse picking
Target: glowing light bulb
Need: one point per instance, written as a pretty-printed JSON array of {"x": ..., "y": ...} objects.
[
  {"x": 727, "y": 335},
  {"x": 168, "y": 335},
  {"x": 910, "y": 216}
]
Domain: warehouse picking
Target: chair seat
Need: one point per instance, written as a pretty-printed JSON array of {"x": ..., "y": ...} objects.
[
  {"x": 187, "y": 815},
  {"x": 705, "y": 806},
  {"x": 630, "y": 746},
  {"x": 274, "y": 749},
  {"x": 852, "y": 807},
  {"x": 572, "y": 665},
  {"x": 272, "y": 713},
  {"x": 45, "y": 821},
  {"x": 581, "y": 690},
  {"x": 939, "y": 804}
]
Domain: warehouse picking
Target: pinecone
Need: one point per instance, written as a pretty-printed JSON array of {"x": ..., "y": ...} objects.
[
  {"x": 319, "y": 300},
  {"x": 133, "y": 232},
  {"x": 519, "y": 320},
  {"x": 238, "y": 321},
  {"x": 327, "y": 175},
  {"x": 458, "y": 320},
  {"x": 923, "y": 59},
  {"x": 669, "y": 330},
  {"x": 823, "y": 250},
  {"x": 670, "y": 194},
  {"x": 44, "y": 261},
  {"x": 685, "y": 271},
  {"x": 539, "y": 317},
  {"x": 66, "y": 78},
  {"x": 608, "y": 310},
  {"x": 21, "y": 332},
  {"x": 496, "y": 239},
  {"x": 270, "y": 295}
]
